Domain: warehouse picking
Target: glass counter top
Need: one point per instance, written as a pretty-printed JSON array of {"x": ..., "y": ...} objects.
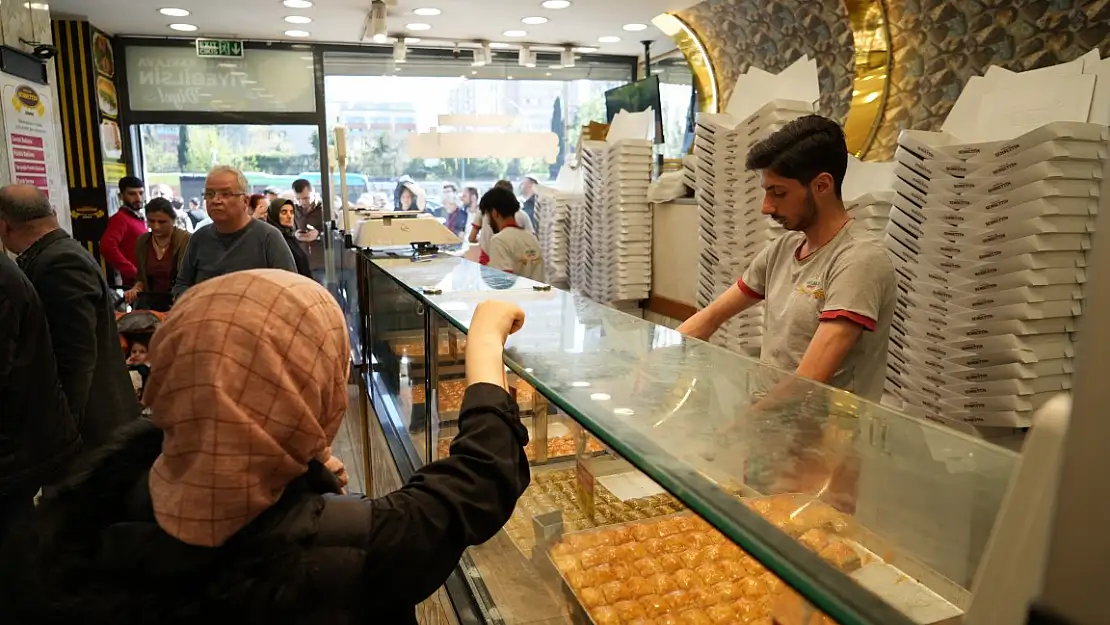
[{"x": 703, "y": 421}]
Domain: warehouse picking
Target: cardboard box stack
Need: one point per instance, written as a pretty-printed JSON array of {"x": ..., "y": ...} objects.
[
  {"x": 732, "y": 228},
  {"x": 553, "y": 209},
  {"x": 991, "y": 238},
  {"x": 613, "y": 258}
]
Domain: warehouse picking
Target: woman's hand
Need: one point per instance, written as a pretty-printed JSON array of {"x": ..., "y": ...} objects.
[
  {"x": 335, "y": 466},
  {"x": 496, "y": 319},
  {"x": 132, "y": 294},
  {"x": 493, "y": 322}
]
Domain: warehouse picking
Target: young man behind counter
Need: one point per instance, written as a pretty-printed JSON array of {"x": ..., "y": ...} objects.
[{"x": 828, "y": 284}]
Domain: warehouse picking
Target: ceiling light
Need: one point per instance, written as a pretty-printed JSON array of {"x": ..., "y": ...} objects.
[
  {"x": 608, "y": 39},
  {"x": 412, "y": 39},
  {"x": 555, "y": 4},
  {"x": 474, "y": 73},
  {"x": 298, "y": 4},
  {"x": 634, "y": 28},
  {"x": 585, "y": 49},
  {"x": 298, "y": 19},
  {"x": 172, "y": 12},
  {"x": 515, "y": 33},
  {"x": 580, "y": 384},
  {"x": 547, "y": 74},
  {"x": 36, "y": 6},
  {"x": 509, "y": 77},
  {"x": 427, "y": 12},
  {"x": 600, "y": 397},
  {"x": 534, "y": 21},
  {"x": 418, "y": 26},
  {"x": 296, "y": 33},
  {"x": 185, "y": 28},
  {"x": 380, "y": 38},
  {"x": 499, "y": 46},
  {"x": 624, "y": 412}
]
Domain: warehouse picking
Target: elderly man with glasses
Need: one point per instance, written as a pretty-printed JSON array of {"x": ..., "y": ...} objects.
[{"x": 234, "y": 241}]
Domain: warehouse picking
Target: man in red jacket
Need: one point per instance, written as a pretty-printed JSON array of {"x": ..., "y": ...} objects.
[{"x": 117, "y": 246}]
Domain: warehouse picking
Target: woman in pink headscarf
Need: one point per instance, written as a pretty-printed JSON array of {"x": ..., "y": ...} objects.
[{"x": 226, "y": 506}]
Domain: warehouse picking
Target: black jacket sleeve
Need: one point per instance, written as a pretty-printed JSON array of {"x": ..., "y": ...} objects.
[
  {"x": 70, "y": 297},
  {"x": 418, "y": 533}
]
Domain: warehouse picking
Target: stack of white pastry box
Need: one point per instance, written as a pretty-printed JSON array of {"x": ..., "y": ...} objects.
[
  {"x": 732, "y": 227},
  {"x": 990, "y": 242},
  {"x": 616, "y": 262},
  {"x": 553, "y": 210},
  {"x": 872, "y": 211},
  {"x": 690, "y": 171}
]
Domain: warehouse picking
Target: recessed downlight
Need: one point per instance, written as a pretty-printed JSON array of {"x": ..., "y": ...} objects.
[
  {"x": 515, "y": 33},
  {"x": 298, "y": 19},
  {"x": 412, "y": 39},
  {"x": 297, "y": 4},
  {"x": 534, "y": 21},
  {"x": 585, "y": 49},
  {"x": 296, "y": 33},
  {"x": 185, "y": 28},
  {"x": 608, "y": 39},
  {"x": 172, "y": 12},
  {"x": 634, "y": 28},
  {"x": 555, "y": 4},
  {"x": 427, "y": 12},
  {"x": 499, "y": 45},
  {"x": 418, "y": 26}
]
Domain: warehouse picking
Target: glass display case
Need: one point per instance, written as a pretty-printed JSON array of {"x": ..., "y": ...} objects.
[{"x": 674, "y": 481}]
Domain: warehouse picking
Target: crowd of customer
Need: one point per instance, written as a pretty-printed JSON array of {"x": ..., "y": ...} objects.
[{"x": 154, "y": 519}]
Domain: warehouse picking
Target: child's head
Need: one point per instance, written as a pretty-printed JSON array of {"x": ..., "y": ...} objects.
[{"x": 136, "y": 354}]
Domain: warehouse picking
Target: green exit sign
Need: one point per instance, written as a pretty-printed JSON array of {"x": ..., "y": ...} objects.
[{"x": 222, "y": 48}]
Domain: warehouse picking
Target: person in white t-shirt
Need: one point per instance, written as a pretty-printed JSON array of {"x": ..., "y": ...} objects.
[
  {"x": 512, "y": 249},
  {"x": 482, "y": 230}
]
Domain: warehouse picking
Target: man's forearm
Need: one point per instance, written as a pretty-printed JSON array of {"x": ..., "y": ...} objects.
[{"x": 702, "y": 325}]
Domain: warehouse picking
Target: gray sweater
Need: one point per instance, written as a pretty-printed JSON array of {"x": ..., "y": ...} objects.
[{"x": 211, "y": 254}]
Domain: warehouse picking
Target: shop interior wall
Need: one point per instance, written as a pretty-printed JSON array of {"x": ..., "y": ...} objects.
[
  {"x": 937, "y": 44},
  {"x": 17, "y": 22}
]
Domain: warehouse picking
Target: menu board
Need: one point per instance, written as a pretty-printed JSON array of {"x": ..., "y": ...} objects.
[{"x": 29, "y": 135}]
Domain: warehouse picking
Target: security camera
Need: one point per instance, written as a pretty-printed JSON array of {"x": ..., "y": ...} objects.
[
  {"x": 44, "y": 52},
  {"x": 455, "y": 52},
  {"x": 41, "y": 51}
]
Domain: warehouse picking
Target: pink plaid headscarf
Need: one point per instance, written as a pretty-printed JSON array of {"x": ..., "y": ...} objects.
[{"x": 248, "y": 379}]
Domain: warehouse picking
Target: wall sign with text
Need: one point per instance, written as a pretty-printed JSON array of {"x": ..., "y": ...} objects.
[
  {"x": 29, "y": 135},
  {"x": 177, "y": 79}
]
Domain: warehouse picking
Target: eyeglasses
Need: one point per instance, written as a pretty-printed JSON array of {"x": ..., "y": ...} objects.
[{"x": 223, "y": 195}]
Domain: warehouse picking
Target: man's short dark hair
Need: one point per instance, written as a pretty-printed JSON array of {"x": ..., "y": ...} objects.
[
  {"x": 802, "y": 150},
  {"x": 23, "y": 205},
  {"x": 300, "y": 184},
  {"x": 473, "y": 191},
  {"x": 503, "y": 184},
  {"x": 501, "y": 201},
  {"x": 130, "y": 182}
]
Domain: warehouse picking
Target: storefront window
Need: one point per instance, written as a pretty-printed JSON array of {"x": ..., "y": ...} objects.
[
  {"x": 382, "y": 103},
  {"x": 179, "y": 155}
]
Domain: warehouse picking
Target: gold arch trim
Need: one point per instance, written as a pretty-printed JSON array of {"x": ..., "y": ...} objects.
[
  {"x": 870, "y": 87},
  {"x": 697, "y": 57}
]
